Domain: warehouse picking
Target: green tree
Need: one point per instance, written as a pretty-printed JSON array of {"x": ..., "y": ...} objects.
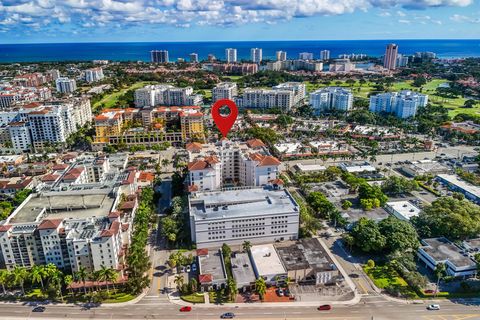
[
  {"x": 68, "y": 280},
  {"x": 400, "y": 235},
  {"x": 4, "y": 276},
  {"x": 179, "y": 280},
  {"x": 19, "y": 275},
  {"x": 346, "y": 204},
  {"x": 193, "y": 285},
  {"x": 261, "y": 287},
  {"x": 246, "y": 246},
  {"x": 395, "y": 185},
  {"x": 440, "y": 272},
  {"x": 371, "y": 263},
  {"x": 232, "y": 288},
  {"x": 226, "y": 251},
  {"x": 367, "y": 236},
  {"x": 82, "y": 275},
  {"x": 320, "y": 204},
  {"x": 37, "y": 273},
  {"x": 448, "y": 217}
]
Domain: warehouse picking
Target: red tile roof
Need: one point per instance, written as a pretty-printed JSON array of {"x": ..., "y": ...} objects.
[
  {"x": 277, "y": 181},
  {"x": 192, "y": 188},
  {"x": 130, "y": 178},
  {"x": 202, "y": 164},
  {"x": 5, "y": 228},
  {"x": 264, "y": 160},
  {"x": 50, "y": 177},
  {"x": 255, "y": 143},
  {"x": 128, "y": 205},
  {"x": 49, "y": 224},
  {"x": 202, "y": 252},
  {"x": 193, "y": 146},
  {"x": 146, "y": 176},
  {"x": 114, "y": 214},
  {"x": 205, "y": 278}
]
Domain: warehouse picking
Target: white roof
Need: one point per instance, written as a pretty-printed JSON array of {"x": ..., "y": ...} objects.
[
  {"x": 310, "y": 167},
  {"x": 362, "y": 167},
  {"x": 266, "y": 260},
  {"x": 288, "y": 148},
  {"x": 453, "y": 179},
  {"x": 404, "y": 208}
]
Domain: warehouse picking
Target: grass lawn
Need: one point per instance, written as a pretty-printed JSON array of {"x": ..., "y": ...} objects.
[
  {"x": 385, "y": 277},
  {"x": 233, "y": 78},
  {"x": 110, "y": 99},
  {"x": 194, "y": 298},
  {"x": 119, "y": 297},
  {"x": 36, "y": 294}
]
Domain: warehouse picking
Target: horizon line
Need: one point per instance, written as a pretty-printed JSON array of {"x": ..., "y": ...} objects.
[{"x": 219, "y": 41}]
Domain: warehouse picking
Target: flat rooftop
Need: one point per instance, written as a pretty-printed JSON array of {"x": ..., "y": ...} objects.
[
  {"x": 241, "y": 202},
  {"x": 453, "y": 179},
  {"x": 212, "y": 264},
  {"x": 306, "y": 253},
  {"x": 357, "y": 167},
  {"x": 266, "y": 260},
  {"x": 310, "y": 167},
  {"x": 404, "y": 208},
  {"x": 57, "y": 206},
  {"x": 242, "y": 269},
  {"x": 440, "y": 249}
]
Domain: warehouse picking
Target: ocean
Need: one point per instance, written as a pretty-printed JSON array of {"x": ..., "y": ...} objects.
[{"x": 140, "y": 51}]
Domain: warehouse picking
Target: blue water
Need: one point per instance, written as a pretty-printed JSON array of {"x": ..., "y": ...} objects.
[{"x": 139, "y": 51}]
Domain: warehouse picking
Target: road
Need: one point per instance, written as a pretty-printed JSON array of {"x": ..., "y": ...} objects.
[{"x": 152, "y": 308}]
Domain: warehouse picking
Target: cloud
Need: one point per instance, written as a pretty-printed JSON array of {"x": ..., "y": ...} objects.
[
  {"x": 461, "y": 18},
  {"x": 83, "y": 14}
]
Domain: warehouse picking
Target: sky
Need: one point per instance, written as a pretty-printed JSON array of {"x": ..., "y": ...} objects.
[{"x": 54, "y": 21}]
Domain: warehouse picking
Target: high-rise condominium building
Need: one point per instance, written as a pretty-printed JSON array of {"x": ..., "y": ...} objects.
[
  {"x": 284, "y": 96},
  {"x": 281, "y": 55},
  {"x": 331, "y": 98},
  {"x": 403, "y": 104},
  {"x": 390, "y": 59},
  {"x": 256, "y": 55},
  {"x": 224, "y": 90},
  {"x": 402, "y": 61},
  {"x": 94, "y": 74},
  {"x": 159, "y": 56},
  {"x": 193, "y": 57},
  {"x": 231, "y": 55},
  {"x": 39, "y": 124},
  {"x": 66, "y": 85},
  {"x": 166, "y": 95},
  {"x": 305, "y": 56},
  {"x": 325, "y": 55}
]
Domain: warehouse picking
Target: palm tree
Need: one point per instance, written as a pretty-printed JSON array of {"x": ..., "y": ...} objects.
[
  {"x": 19, "y": 275},
  {"x": 261, "y": 287},
  {"x": 57, "y": 281},
  {"x": 96, "y": 277},
  {"x": 36, "y": 275},
  {"x": 68, "y": 279},
  {"x": 193, "y": 285},
  {"x": 82, "y": 275},
  {"x": 246, "y": 246},
  {"x": 112, "y": 276},
  {"x": 179, "y": 281},
  {"x": 232, "y": 288},
  {"x": 103, "y": 276},
  {"x": 440, "y": 271},
  {"x": 4, "y": 276}
]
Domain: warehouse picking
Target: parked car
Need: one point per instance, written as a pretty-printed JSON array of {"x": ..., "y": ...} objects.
[
  {"x": 280, "y": 292},
  {"x": 325, "y": 307},
  {"x": 287, "y": 293},
  {"x": 38, "y": 309},
  {"x": 188, "y": 269},
  {"x": 227, "y": 315},
  {"x": 194, "y": 267},
  {"x": 186, "y": 309},
  {"x": 433, "y": 307}
]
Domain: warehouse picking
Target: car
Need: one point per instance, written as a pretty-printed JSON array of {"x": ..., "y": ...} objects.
[
  {"x": 186, "y": 309},
  {"x": 38, "y": 309},
  {"x": 194, "y": 267},
  {"x": 354, "y": 275},
  {"x": 280, "y": 292},
  {"x": 429, "y": 291},
  {"x": 287, "y": 293},
  {"x": 433, "y": 307},
  {"x": 325, "y": 307},
  {"x": 227, "y": 315},
  {"x": 188, "y": 269},
  {"x": 182, "y": 269}
]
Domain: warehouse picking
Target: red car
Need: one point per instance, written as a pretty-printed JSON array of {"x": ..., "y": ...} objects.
[
  {"x": 185, "y": 309},
  {"x": 325, "y": 307}
]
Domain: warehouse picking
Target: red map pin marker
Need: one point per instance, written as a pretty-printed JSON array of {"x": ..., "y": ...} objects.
[{"x": 224, "y": 123}]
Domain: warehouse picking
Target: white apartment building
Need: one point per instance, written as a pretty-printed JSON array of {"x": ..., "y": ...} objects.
[
  {"x": 193, "y": 57},
  {"x": 224, "y": 90},
  {"x": 66, "y": 85},
  {"x": 331, "y": 98},
  {"x": 305, "y": 56},
  {"x": 54, "y": 74},
  {"x": 94, "y": 74},
  {"x": 281, "y": 55},
  {"x": 230, "y": 164},
  {"x": 231, "y": 55},
  {"x": 403, "y": 104},
  {"x": 402, "y": 61},
  {"x": 166, "y": 95},
  {"x": 325, "y": 55},
  {"x": 259, "y": 215},
  {"x": 256, "y": 55},
  {"x": 342, "y": 65},
  {"x": 39, "y": 124},
  {"x": 14, "y": 95},
  {"x": 285, "y": 96}
]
